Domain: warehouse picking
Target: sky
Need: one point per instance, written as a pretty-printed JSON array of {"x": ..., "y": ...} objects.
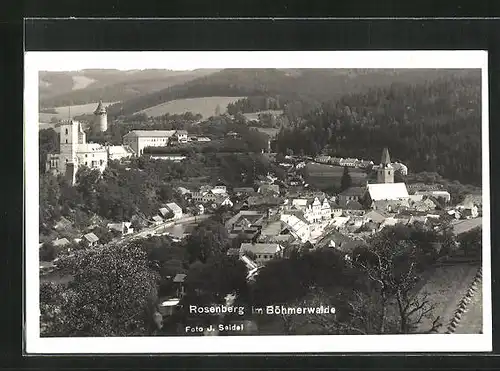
[{"x": 73, "y": 61}]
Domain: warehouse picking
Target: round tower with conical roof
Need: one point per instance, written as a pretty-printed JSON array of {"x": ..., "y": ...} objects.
[
  {"x": 385, "y": 172},
  {"x": 101, "y": 117}
]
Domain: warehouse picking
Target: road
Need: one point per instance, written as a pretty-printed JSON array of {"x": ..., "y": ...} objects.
[{"x": 161, "y": 228}]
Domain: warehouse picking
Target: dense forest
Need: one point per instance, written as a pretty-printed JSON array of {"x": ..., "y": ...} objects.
[
  {"x": 434, "y": 126},
  {"x": 314, "y": 85}
]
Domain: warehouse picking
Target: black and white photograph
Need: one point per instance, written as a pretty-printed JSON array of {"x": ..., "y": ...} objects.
[{"x": 270, "y": 201}]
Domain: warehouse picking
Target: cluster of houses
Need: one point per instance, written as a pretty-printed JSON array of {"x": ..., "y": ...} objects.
[{"x": 357, "y": 163}]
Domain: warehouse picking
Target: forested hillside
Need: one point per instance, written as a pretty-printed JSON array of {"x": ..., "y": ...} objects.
[
  {"x": 433, "y": 126},
  {"x": 61, "y": 88},
  {"x": 309, "y": 86}
]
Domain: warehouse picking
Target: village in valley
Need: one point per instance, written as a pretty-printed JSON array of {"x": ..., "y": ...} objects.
[{"x": 275, "y": 226}]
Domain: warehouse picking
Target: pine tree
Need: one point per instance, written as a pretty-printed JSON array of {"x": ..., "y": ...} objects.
[{"x": 346, "y": 180}]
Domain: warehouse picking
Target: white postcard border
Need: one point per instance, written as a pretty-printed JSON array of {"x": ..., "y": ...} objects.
[{"x": 70, "y": 61}]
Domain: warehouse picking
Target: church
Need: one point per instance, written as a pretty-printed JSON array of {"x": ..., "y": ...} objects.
[
  {"x": 385, "y": 189},
  {"x": 74, "y": 151}
]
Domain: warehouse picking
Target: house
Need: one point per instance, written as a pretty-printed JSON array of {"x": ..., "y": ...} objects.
[
  {"x": 424, "y": 205},
  {"x": 175, "y": 209},
  {"x": 351, "y": 194},
  {"x": 444, "y": 195},
  {"x": 178, "y": 282},
  {"x": 402, "y": 168},
  {"x": 338, "y": 241},
  {"x": 243, "y": 191},
  {"x": 219, "y": 189},
  {"x": 164, "y": 213},
  {"x": 124, "y": 228},
  {"x": 297, "y": 226},
  {"x": 184, "y": 191},
  {"x": 62, "y": 224},
  {"x": 269, "y": 189},
  {"x": 119, "y": 153},
  {"x": 250, "y": 264},
  {"x": 91, "y": 239},
  {"x": 250, "y": 217},
  {"x": 60, "y": 242},
  {"x": 323, "y": 159},
  {"x": 263, "y": 251},
  {"x": 157, "y": 219},
  {"x": 366, "y": 164},
  {"x": 201, "y": 209},
  {"x": 181, "y": 136},
  {"x": 391, "y": 206},
  {"x": 263, "y": 200},
  {"x": 222, "y": 201},
  {"x": 469, "y": 213},
  {"x": 376, "y": 216},
  {"x": 167, "y": 306},
  {"x": 387, "y": 191}
]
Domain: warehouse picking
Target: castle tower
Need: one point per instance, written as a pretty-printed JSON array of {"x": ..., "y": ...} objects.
[
  {"x": 70, "y": 136},
  {"x": 385, "y": 172},
  {"x": 101, "y": 117}
]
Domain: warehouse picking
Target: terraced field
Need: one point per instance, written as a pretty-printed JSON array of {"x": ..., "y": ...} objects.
[{"x": 446, "y": 287}]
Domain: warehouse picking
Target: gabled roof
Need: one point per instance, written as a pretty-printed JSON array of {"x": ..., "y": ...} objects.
[
  {"x": 387, "y": 191},
  {"x": 157, "y": 218},
  {"x": 91, "y": 237},
  {"x": 261, "y": 248},
  {"x": 164, "y": 211},
  {"x": 179, "y": 277},
  {"x": 386, "y": 159},
  {"x": 174, "y": 207},
  {"x": 354, "y": 205},
  {"x": 151, "y": 133},
  {"x": 60, "y": 242}
]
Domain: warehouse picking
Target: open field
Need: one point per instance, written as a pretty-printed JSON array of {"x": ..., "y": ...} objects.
[
  {"x": 325, "y": 176},
  {"x": 204, "y": 106},
  {"x": 81, "y": 82},
  {"x": 446, "y": 287},
  {"x": 63, "y": 112},
  {"x": 461, "y": 226},
  {"x": 472, "y": 320}
]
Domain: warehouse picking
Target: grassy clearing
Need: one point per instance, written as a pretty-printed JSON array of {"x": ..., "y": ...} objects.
[
  {"x": 63, "y": 112},
  {"x": 204, "y": 106},
  {"x": 446, "y": 287}
]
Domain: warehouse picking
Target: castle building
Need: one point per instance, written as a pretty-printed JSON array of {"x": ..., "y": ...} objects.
[
  {"x": 74, "y": 151},
  {"x": 385, "y": 172},
  {"x": 138, "y": 140},
  {"x": 101, "y": 121}
]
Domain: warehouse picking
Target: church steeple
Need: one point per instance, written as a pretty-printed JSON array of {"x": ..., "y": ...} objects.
[
  {"x": 385, "y": 172},
  {"x": 386, "y": 159}
]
